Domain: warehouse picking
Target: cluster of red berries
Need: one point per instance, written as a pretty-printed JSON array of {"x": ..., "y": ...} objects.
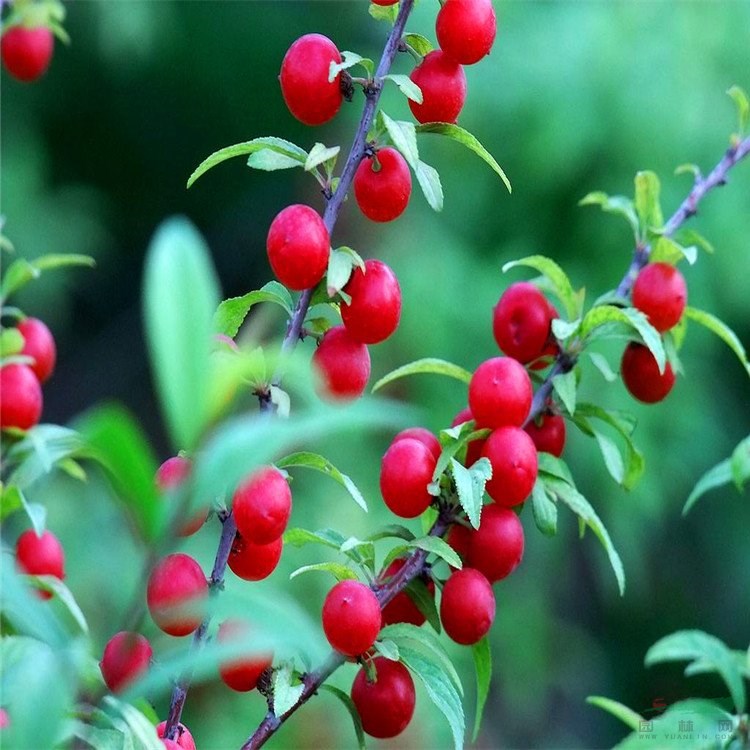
[{"x": 26, "y": 51}]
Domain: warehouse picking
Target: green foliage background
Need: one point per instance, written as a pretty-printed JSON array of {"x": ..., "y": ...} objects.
[{"x": 575, "y": 97}]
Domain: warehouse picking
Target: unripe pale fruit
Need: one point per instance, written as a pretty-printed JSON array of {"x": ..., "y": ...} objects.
[
  {"x": 254, "y": 562},
  {"x": 500, "y": 393},
  {"x": 466, "y": 29},
  {"x": 308, "y": 93},
  {"x": 183, "y": 739},
  {"x": 375, "y": 308},
  {"x": 660, "y": 293},
  {"x": 27, "y": 52},
  {"x": 241, "y": 674},
  {"x": 298, "y": 247},
  {"x": 351, "y": 617},
  {"x": 443, "y": 85},
  {"x": 405, "y": 472},
  {"x": 21, "y": 402},
  {"x": 496, "y": 548},
  {"x": 401, "y": 608},
  {"x": 424, "y": 436},
  {"x": 126, "y": 657},
  {"x": 641, "y": 375},
  {"x": 170, "y": 475},
  {"x": 40, "y": 556},
  {"x": 473, "y": 447},
  {"x": 386, "y": 705},
  {"x": 514, "y": 461},
  {"x": 342, "y": 364},
  {"x": 176, "y": 594},
  {"x": 467, "y": 608},
  {"x": 521, "y": 322},
  {"x": 382, "y": 185},
  {"x": 39, "y": 344},
  {"x": 548, "y": 433},
  {"x": 262, "y": 505}
]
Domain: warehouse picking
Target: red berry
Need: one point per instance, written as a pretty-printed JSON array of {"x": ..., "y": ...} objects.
[
  {"x": 386, "y": 705},
  {"x": 405, "y": 472},
  {"x": 39, "y": 344},
  {"x": 467, "y": 608},
  {"x": 27, "y": 52},
  {"x": 514, "y": 465},
  {"x": 641, "y": 375},
  {"x": 342, "y": 364},
  {"x": 375, "y": 308},
  {"x": 382, "y": 185},
  {"x": 176, "y": 594},
  {"x": 298, "y": 247},
  {"x": 21, "y": 403},
  {"x": 424, "y": 436},
  {"x": 466, "y": 29},
  {"x": 241, "y": 673},
  {"x": 308, "y": 93},
  {"x": 443, "y": 85},
  {"x": 262, "y": 505},
  {"x": 351, "y": 617},
  {"x": 384, "y": 2},
  {"x": 126, "y": 657},
  {"x": 660, "y": 293},
  {"x": 4, "y": 719},
  {"x": 500, "y": 393},
  {"x": 170, "y": 475},
  {"x": 184, "y": 740},
  {"x": 40, "y": 556},
  {"x": 459, "y": 537},
  {"x": 548, "y": 433},
  {"x": 401, "y": 608},
  {"x": 254, "y": 562},
  {"x": 473, "y": 447},
  {"x": 496, "y": 547},
  {"x": 521, "y": 322}
]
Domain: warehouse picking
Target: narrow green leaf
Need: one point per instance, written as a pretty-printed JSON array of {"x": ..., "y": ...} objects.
[
  {"x": 418, "y": 592},
  {"x": 692, "y": 169},
  {"x": 556, "y": 467},
  {"x": 565, "y": 386},
  {"x": 666, "y": 250},
  {"x": 268, "y": 160},
  {"x": 231, "y": 313},
  {"x": 562, "y": 330},
  {"x": 21, "y": 271},
  {"x": 11, "y": 342},
  {"x": 420, "y": 44},
  {"x": 601, "y": 364},
  {"x": 408, "y": 88},
  {"x": 301, "y": 537},
  {"x": 352, "y": 709},
  {"x": 691, "y": 237},
  {"x": 386, "y": 13},
  {"x": 614, "y": 204},
  {"x": 618, "y": 710},
  {"x": 339, "y": 571},
  {"x": 544, "y": 509},
  {"x": 470, "y": 486},
  {"x": 437, "y": 546},
  {"x": 143, "y": 730},
  {"x": 740, "y": 464},
  {"x": 285, "y": 694},
  {"x": 320, "y": 154},
  {"x": 741, "y": 99},
  {"x": 387, "y": 649},
  {"x": 340, "y": 265},
  {"x": 430, "y": 365},
  {"x": 612, "y": 458},
  {"x": 60, "y": 591},
  {"x": 349, "y": 60},
  {"x": 560, "y": 282},
  {"x": 720, "y": 329},
  {"x": 647, "y": 206},
  {"x": 392, "y": 531},
  {"x": 717, "y": 476},
  {"x": 429, "y": 182},
  {"x": 483, "y": 668},
  {"x": 403, "y": 135}
]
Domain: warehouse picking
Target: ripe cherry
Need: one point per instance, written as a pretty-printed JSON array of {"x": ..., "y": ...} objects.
[
  {"x": 38, "y": 344},
  {"x": 262, "y": 505},
  {"x": 500, "y": 393},
  {"x": 548, "y": 433},
  {"x": 521, "y": 321},
  {"x": 177, "y": 592},
  {"x": 351, "y": 617},
  {"x": 375, "y": 308},
  {"x": 241, "y": 673},
  {"x": 401, "y": 608},
  {"x": 384, "y": 2},
  {"x": 40, "y": 556},
  {"x": 298, "y": 247},
  {"x": 641, "y": 375},
  {"x": 660, "y": 293},
  {"x": 254, "y": 562},
  {"x": 308, "y": 93},
  {"x": 424, "y": 436},
  {"x": 405, "y": 472},
  {"x": 466, "y": 29},
  {"x": 514, "y": 465},
  {"x": 386, "y": 705},
  {"x": 126, "y": 657},
  {"x": 27, "y": 52},
  {"x": 473, "y": 447},
  {"x": 170, "y": 475},
  {"x": 443, "y": 85},
  {"x": 342, "y": 364},
  {"x": 183, "y": 739},
  {"x": 21, "y": 404},
  {"x": 467, "y": 608},
  {"x": 459, "y": 537},
  {"x": 382, "y": 185},
  {"x": 496, "y": 547}
]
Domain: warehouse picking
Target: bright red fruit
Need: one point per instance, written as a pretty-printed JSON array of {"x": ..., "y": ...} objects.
[
  {"x": 521, "y": 321},
  {"x": 242, "y": 673},
  {"x": 40, "y": 556},
  {"x": 467, "y": 608},
  {"x": 384, "y": 2},
  {"x": 176, "y": 594},
  {"x": 401, "y": 608},
  {"x": 39, "y": 344},
  {"x": 459, "y": 537},
  {"x": 27, "y": 52},
  {"x": 343, "y": 365},
  {"x": 466, "y": 29},
  {"x": 641, "y": 375},
  {"x": 500, "y": 393},
  {"x": 382, "y": 185},
  {"x": 351, "y": 617},
  {"x": 660, "y": 293},
  {"x": 386, "y": 705},
  {"x": 298, "y": 247},
  {"x": 496, "y": 547},
  {"x": 308, "y": 93},
  {"x": 254, "y": 562},
  {"x": 21, "y": 402},
  {"x": 443, "y": 85},
  {"x": 424, "y": 436},
  {"x": 262, "y": 505},
  {"x": 170, "y": 475},
  {"x": 405, "y": 472},
  {"x": 473, "y": 447},
  {"x": 375, "y": 308},
  {"x": 548, "y": 433},
  {"x": 183, "y": 739},
  {"x": 514, "y": 465},
  {"x": 126, "y": 657}
]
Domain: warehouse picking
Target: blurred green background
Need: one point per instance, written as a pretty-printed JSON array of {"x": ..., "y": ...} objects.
[{"x": 575, "y": 97}]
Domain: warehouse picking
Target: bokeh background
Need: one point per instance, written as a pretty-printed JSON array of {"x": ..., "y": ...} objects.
[{"x": 575, "y": 97}]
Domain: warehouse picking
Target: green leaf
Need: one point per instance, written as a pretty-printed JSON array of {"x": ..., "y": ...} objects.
[
  {"x": 555, "y": 467},
  {"x": 143, "y": 730},
  {"x": 565, "y": 387},
  {"x": 429, "y": 365},
  {"x": 740, "y": 464},
  {"x": 418, "y": 592},
  {"x": 320, "y": 154},
  {"x": 618, "y": 710},
  {"x": 614, "y": 204},
  {"x": 722, "y": 330},
  {"x": 11, "y": 342},
  {"x": 349, "y": 60},
  {"x": 408, "y": 88},
  {"x": 717, "y": 476},
  {"x": 483, "y": 668},
  {"x": 351, "y": 708},
  {"x": 384, "y": 12},
  {"x": 465, "y": 138},
  {"x": 742, "y": 101},
  {"x": 403, "y": 135},
  {"x": 339, "y": 571},
  {"x": 180, "y": 296},
  {"x": 392, "y": 531},
  {"x": 388, "y": 649},
  {"x": 268, "y": 160},
  {"x": 437, "y": 546},
  {"x": 544, "y": 509},
  {"x": 561, "y": 285},
  {"x": 276, "y": 145},
  {"x": 612, "y": 458},
  {"x": 666, "y": 250},
  {"x": 691, "y": 237},
  {"x": 285, "y": 694},
  {"x": 340, "y": 265},
  {"x": 60, "y": 591},
  {"x": 429, "y": 182},
  {"x": 301, "y": 537},
  {"x": 601, "y": 364},
  {"x": 562, "y": 330},
  {"x": 232, "y": 312},
  {"x": 470, "y": 486},
  {"x": 22, "y": 271},
  {"x": 420, "y": 44},
  {"x": 647, "y": 206}
]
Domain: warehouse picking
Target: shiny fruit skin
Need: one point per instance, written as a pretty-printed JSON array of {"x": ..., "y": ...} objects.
[
  {"x": 241, "y": 674},
  {"x": 521, "y": 322},
  {"x": 27, "y": 52},
  {"x": 382, "y": 194},
  {"x": 21, "y": 402},
  {"x": 40, "y": 556},
  {"x": 342, "y": 364},
  {"x": 641, "y": 375},
  {"x": 401, "y": 608},
  {"x": 262, "y": 505},
  {"x": 466, "y": 29},
  {"x": 39, "y": 344},
  {"x": 548, "y": 434},
  {"x": 427, "y": 438},
  {"x": 443, "y": 85},
  {"x": 660, "y": 293},
  {"x": 467, "y": 609},
  {"x": 184, "y": 739},
  {"x": 126, "y": 657},
  {"x": 351, "y": 617},
  {"x": 500, "y": 393},
  {"x": 254, "y": 562},
  {"x": 176, "y": 594},
  {"x": 405, "y": 472},
  {"x": 496, "y": 547},
  {"x": 514, "y": 461},
  {"x": 170, "y": 475}
]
